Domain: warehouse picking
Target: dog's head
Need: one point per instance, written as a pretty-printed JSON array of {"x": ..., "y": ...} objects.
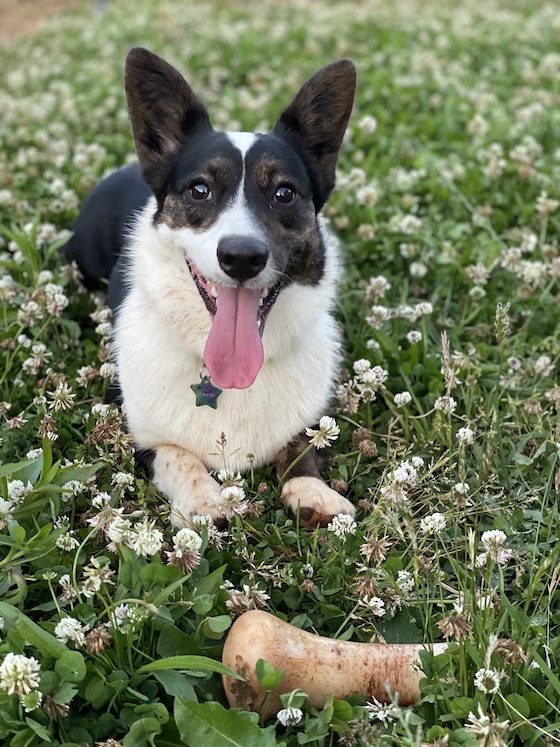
[{"x": 241, "y": 207}]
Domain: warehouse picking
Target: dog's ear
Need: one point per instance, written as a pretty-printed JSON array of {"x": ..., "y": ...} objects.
[
  {"x": 316, "y": 120},
  {"x": 163, "y": 110}
]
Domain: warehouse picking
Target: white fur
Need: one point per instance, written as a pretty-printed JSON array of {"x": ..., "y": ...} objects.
[
  {"x": 242, "y": 140},
  {"x": 160, "y": 336}
]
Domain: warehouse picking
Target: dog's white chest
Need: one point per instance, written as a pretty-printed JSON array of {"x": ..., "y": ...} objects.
[{"x": 159, "y": 343}]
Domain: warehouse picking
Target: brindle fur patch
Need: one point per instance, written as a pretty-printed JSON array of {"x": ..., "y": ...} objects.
[
  {"x": 173, "y": 213},
  {"x": 308, "y": 466}
]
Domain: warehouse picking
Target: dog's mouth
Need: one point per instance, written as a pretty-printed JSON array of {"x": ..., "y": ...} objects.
[{"x": 234, "y": 351}]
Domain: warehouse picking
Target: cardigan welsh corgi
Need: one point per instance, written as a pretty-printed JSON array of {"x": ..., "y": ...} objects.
[{"x": 222, "y": 279}]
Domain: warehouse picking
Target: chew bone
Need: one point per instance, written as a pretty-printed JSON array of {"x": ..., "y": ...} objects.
[{"x": 319, "y": 666}]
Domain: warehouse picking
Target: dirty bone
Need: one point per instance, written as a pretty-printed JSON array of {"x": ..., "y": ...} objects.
[{"x": 319, "y": 666}]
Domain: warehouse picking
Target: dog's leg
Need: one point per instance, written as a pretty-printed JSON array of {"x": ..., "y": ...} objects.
[
  {"x": 304, "y": 489},
  {"x": 185, "y": 481}
]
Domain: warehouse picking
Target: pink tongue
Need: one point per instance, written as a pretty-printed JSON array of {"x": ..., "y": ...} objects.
[{"x": 234, "y": 352}]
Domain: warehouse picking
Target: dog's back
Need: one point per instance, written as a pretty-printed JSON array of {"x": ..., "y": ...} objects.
[{"x": 101, "y": 227}]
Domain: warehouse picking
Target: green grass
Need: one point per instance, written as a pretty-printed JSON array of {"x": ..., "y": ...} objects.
[{"x": 451, "y": 196}]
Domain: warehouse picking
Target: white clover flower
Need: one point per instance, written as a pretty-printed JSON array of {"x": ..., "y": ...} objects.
[
  {"x": 545, "y": 204},
  {"x": 100, "y": 411},
  {"x": 367, "y": 124},
  {"x": 488, "y": 680},
  {"x": 424, "y": 308},
  {"x": 465, "y": 436},
  {"x": 68, "y": 590},
  {"x": 233, "y": 500},
  {"x": 124, "y": 480},
  {"x": 228, "y": 477},
  {"x": 104, "y": 329},
  {"x": 379, "y": 314},
  {"x": 6, "y": 515},
  {"x": 377, "y": 287},
  {"x": 365, "y": 231},
  {"x": 67, "y": 542},
  {"x": 374, "y": 604},
  {"x": 328, "y": 431},
  {"x": 289, "y": 716},
  {"x": 487, "y": 731},
  {"x": 361, "y": 366},
  {"x": 543, "y": 365},
  {"x": 493, "y": 542},
  {"x": 417, "y": 462},
  {"x": 19, "y": 674},
  {"x": 146, "y": 540},
  {"x": 493, "y": 539},
  {"x": 62, "y": 397},
  {"x": 408, "y": 224},
  {"x": 73, "y": 488},
  {"x": 108, "y": 371},
  {"x": 119, "y": 615},
  {"x": 201, "y": 520},
  {"x": 483, "y": 601},
  {"x": 119, "y": 531},
  {"x": 186, "y": 540},
  {"x": 29, "y": 314},
  {"x": 405, "y": 581},
  {"x": 34, "y": 453},
  {"x": 101, "y": 500},
  {"x": 101, "y": 315},
  {"x": 368, "y": 195},
  {"x": 462, "y": 488},
  {"x": 384, "y": 712},
  {"x": 405, "y": 474},
  {"x": 402, "y": 399},
  {"x": 17, "y": 490},
  {"x": 418, "y": 270},
  {"x": 414, "y": 336},
  {"x": 44, "y": 277},
  {"x": 445, "y": 404},
  {"x": 433, "y": 523},
  {"x": 374, "y": 377},
  {"x": 55, "y": 299},
  {"x": 70, "y": 629},
  {"x": 342, "y": 525}
]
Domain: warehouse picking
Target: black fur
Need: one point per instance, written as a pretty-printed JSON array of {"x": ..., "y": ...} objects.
[{"x": 100, "y": 227}]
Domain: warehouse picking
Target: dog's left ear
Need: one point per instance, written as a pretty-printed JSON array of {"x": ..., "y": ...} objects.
[
  {"x": 163, "y": 111},
  {"x": 316, "y": 120}
]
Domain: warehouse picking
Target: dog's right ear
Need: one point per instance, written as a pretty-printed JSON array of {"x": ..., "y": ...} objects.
[{"x": 163, "y": 110}]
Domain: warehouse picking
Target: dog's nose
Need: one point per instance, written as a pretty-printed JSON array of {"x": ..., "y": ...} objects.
[{"x": 242, "y": 257}]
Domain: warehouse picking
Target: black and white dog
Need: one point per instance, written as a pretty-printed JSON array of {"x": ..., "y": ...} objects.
[{"x": 222, "y": 279}]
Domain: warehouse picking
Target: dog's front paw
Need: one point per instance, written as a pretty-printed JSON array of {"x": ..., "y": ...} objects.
[
  {"x": 201, "y": 497},
  {"x": 317, "y": 503},
  {"x": 190, "y": 489}
]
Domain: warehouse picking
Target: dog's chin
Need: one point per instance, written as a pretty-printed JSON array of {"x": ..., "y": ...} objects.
[{"x": 209, "y": 294}]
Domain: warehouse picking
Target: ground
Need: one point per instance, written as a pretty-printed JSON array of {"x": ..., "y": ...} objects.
[{"x": 25, "y": 16}]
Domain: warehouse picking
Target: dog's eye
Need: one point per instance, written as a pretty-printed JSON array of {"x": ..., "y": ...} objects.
[
  {"x": 200, "y": 191},
  {"x": 284, "y": 194}
]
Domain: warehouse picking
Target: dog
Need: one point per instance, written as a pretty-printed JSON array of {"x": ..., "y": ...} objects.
[{"x": 222, "y": 279}]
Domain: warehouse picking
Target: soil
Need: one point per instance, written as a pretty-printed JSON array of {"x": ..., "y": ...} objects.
[{"x": 19, "y": 17}]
